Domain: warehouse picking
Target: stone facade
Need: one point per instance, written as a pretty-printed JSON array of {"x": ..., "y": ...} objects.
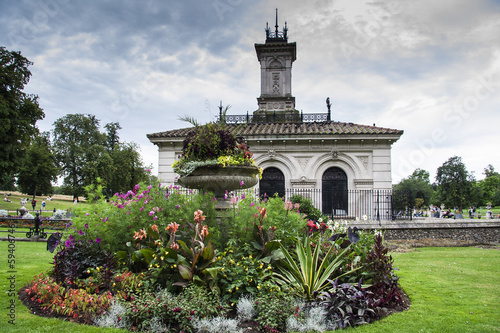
[{"x": 303, "y": 151}]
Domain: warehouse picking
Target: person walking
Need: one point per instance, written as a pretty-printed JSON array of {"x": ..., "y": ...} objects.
[{"x": 33, "y": 204}]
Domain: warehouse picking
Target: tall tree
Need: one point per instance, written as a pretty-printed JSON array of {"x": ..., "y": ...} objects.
[
  {"x": 74, "y": 137},
  {"x": 129, "y": 168},
  {"x": 490, "y": 186},
  {"x": 39, "y": 168},
  {"x": 455, "y": 184},
  {"x": 19, "y": 112},
  {"x": 417, "y": 186},
  {"x": 112, "y": 137}
]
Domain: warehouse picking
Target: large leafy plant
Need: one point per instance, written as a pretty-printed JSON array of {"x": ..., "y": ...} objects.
[
  {"x": 347, "y": 304},
  {"x": 307, "y": 274},
  {"x": 212, "y": 144}
]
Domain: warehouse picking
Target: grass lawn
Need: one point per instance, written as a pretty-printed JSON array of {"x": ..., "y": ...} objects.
[
  {"x": 49, "y": 205},
  {"x": 452, "y": 290}
]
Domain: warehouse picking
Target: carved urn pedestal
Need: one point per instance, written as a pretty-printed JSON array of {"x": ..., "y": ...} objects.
[{"x": 218, "y": 179}]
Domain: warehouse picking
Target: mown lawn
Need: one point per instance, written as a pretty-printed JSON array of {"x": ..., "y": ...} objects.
[{"x": 452, "y": 290}]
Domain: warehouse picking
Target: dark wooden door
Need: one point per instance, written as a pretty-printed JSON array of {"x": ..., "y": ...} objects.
[
  {"x": 273, "y": 181},
  {"x": 334, "y": 189}
]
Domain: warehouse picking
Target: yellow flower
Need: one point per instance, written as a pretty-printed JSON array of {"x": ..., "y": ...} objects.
[
  {"x": 223, "y": 269},
  {"x": 250, "y": 256},
  {"x": 88, "y": 271},
  {"x": 258, "y": 287},
  {"x": 230, "y": 291},
  {"x": 161, "y": 257},
  {"x": 246, "y": 269},
  {"x": 175, "y": 265},
  {"x": 97, "y": 269},
  {"x": 236, "y": 288},
  {"x": 114, "y": 284}
]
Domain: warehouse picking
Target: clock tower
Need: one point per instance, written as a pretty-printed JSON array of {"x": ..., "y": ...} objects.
[{"x": 276, "y": 57}]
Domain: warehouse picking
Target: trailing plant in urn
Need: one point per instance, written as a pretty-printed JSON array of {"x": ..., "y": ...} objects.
[{"x": 212, "y": 144}]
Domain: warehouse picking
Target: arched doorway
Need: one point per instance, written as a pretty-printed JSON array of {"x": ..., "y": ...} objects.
[
  {"x": 334, "y": 189},
  {"x": 273, "y": 181}
]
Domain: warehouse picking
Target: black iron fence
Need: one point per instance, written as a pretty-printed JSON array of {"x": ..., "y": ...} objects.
[{"x": 373, "y": 205}]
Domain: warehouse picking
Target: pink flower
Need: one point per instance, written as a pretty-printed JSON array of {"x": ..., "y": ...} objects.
[
  {"x": 154, "y": 218},
  {"x": 86, "y": 214},
  {"x": 174, "y": 246},
  {"x": 151, "y": 213},
  {"x": 252, "y": 204},
  {"x": 141, "y": 209},
  {"x": 234, "y": 200},
  {"x": 241, "y": 184},
  {"x": 97, "y": 240}
]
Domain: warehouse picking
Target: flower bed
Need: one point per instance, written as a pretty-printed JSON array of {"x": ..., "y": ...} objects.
[{"x": 153, "y": 258}]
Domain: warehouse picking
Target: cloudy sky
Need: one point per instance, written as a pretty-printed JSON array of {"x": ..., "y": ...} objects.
[{"x": 430, "y": 68}]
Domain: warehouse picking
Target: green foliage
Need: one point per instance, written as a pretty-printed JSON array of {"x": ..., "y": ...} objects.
[
  {"x": 212, "y": 144},
  {"x": 78, "y": 256},
  {"x": 273, "y": 307},
  {"x": 82, "y": 303},
  {"x": 347, "y": 305},
  {"x": 286, "y": 224},
  {"x": 19, "y": 113},
  {"x": 307, "y": 275},
  {"x": 454, "y": 183},
  {"x": 239, "y": 273},
  {"x": 39, "y": 168},
  {"x": 173, "y": 311},
  {"x": 84, "y": 153},
  {"x": 306, "y": 206},
  {"x": 490, "y": 186},
  {"x": 417, "y": 187},
  {"x": 384, "y": 283}
]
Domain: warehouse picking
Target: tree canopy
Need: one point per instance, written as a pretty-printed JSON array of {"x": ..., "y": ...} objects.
[
  {"x": 455, "y": 184},
  {"x": 85, "y": 154},
  {"x": 39, "y": 168},
  {"x": 19, "y": 112}
]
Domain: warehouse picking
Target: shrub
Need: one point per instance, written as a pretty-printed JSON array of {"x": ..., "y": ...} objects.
[
  {"x": 384, "y": 281},
  {"x": 78, "y": 258},
  {"x": 347, "y": 305},
  {"x": 174, "y": 311},
  {"x": 307, "y": 207},
  {"x": 273, "y": 307},
  {"x": 244, "y": 308},
  {"x": 3, "y": 212},
  {"x": 240, "y": 273},
  {"x": 75, "y": 303}
]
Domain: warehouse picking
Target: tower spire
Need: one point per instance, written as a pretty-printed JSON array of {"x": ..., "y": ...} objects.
[
  {"x": 276, "y": 26},
  {"x": 276, "y": 36}
]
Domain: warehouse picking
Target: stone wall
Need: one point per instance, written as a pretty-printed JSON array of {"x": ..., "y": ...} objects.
[{"x": 471, "y": 231}]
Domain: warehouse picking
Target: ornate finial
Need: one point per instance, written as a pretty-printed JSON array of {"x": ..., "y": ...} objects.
[
  {"x": 276, "y": 26},
  {"x": 329, "y": 106},
  {"x": 276, "y": 35}
]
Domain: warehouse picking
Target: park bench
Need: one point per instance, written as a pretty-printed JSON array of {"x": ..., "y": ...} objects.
[{"x": 11, "y": 223}]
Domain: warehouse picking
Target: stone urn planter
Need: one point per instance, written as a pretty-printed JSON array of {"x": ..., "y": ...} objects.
[{"x": 219, "y": 179}]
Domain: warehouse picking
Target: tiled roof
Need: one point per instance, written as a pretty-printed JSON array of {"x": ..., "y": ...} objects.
[{"x": 312, "y": 128}]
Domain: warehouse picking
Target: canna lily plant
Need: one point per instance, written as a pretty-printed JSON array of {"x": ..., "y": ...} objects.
[{"x": 308, "y": 276}]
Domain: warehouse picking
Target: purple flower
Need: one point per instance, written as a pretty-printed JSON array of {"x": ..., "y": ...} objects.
[
  {"x": 151, "y": 213},
  {"x": 103, "y": 220},
  {"x": 97, "y": 240},
  {"x": 86, "y": 214},
  {"x": 142, "y": 208},
  {"x": 241, "y": 184},
  {"x": 154, "y": 218},
  {"x": 120, "y": 206},
  {"x": 177, "y": 206},
  {"x": 71, "y": 237},
  {"x": 67, "y": 243},
  {"x": 80, "y": 232},
  {"x": 252, "y": 204},
  {"x": 128, "y": 212},
  {"x": 86, "y": 225},
  {"x": 243, "y": 196},
  {"x": 166, "y": 196}
]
